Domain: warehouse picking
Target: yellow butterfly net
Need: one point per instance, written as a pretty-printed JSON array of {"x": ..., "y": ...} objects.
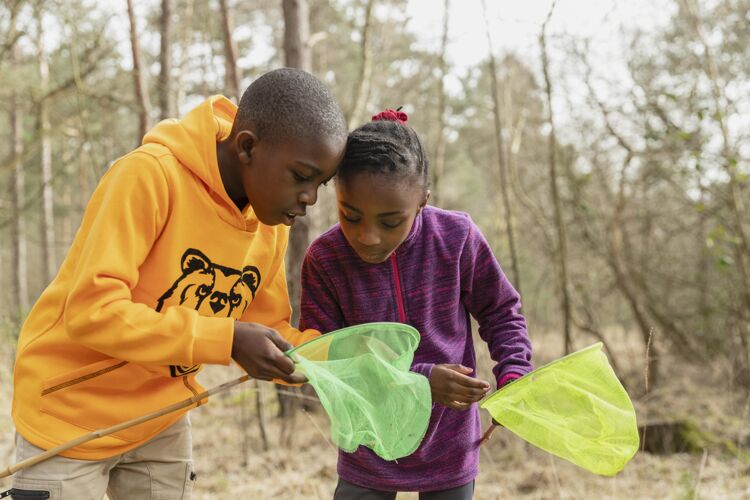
[{"x": 575, "y": 408}]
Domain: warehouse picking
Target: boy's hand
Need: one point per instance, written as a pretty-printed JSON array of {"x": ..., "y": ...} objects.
[
  {"x": 259, "y": 350},
  {"x": 452, "y": 387}
]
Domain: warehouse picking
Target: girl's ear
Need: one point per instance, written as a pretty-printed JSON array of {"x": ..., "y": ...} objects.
[{"x": 424, "y": 201}]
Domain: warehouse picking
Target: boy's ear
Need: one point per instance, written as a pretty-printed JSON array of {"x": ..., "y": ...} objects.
[{"x": 244, "y": 142}]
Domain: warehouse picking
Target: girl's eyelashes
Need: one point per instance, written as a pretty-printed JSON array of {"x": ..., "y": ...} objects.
[
  {"x": 392, "y": 225},
  {"x": 386, "y": 225},
  {"x": 348, "y": 219}
]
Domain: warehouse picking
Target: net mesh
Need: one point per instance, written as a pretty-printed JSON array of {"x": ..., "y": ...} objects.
[
  {"x": 575, "y": 408},
  {"x": 361, "y": 375}
]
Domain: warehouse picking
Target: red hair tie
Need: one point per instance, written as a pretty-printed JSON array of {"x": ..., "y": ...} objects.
[{"x": 394, "y": 115}]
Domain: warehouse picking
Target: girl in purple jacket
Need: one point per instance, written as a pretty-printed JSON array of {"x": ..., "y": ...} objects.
[{"x": 392, "y": 257}]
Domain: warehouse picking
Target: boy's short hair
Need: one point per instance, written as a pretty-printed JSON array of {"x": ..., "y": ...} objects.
[{"x": 289, "y": 103}]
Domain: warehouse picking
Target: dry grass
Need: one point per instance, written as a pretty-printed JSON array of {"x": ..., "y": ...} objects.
[{"x": 231, "y": 462}]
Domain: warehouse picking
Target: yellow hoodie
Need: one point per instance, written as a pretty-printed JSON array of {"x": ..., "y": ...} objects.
[{"x": 162, "y": 266}]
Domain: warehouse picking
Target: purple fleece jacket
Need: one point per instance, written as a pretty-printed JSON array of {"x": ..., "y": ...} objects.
[{"x": 440, "y": 275}]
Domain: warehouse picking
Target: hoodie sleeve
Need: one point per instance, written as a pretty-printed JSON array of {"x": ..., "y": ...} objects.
[
  {"x": 124, "y": 218},
  {"x": 271, "y": 306},
  {"x": 495, "y": 304}
]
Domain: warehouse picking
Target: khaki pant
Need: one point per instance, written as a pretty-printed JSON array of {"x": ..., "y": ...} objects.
[{"x": 160, "y": 469}]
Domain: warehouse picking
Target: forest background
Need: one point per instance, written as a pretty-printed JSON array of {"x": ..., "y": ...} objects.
[{"x": 602, "y": 147}]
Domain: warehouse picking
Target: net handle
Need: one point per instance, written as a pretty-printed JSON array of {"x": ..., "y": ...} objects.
[{"x": 119, "y": 427}]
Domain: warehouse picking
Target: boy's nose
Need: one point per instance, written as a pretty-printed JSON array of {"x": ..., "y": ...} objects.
[{"x": 309, "y": 196}]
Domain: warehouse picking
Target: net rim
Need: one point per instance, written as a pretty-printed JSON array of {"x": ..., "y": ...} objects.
[
  {"x": 581, "y": 352},
  {"x": 403, "y": 327}
]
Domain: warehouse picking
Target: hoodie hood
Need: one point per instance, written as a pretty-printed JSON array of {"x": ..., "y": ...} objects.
[{"x": 192, "y": 140}]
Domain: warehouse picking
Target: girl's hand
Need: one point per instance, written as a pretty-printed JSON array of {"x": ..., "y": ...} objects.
[{"x": 452, "y": 387}]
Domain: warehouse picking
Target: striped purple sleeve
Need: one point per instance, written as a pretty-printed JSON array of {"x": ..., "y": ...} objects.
[
  {"x": 319, "y": 307},
  {"x": 423, "y": 369},
  {"x": 495, "y": 304}
]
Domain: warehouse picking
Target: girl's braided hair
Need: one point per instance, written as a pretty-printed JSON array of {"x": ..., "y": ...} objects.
[{"x": 386, "y": 145}]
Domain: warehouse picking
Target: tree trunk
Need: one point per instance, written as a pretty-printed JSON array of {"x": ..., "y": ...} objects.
[
  {"x": 365, "y": 71},
  {"x": 13, "y": 34},
  {"x": 297, "y": 55},
  {"x": 562, "y": 253},
  {"x": 139, "y": 78},
  {"x": 623, "y": 283},
  {"x": 186, "y": 22},
  {"x": 47, "y": 226},
  {"x": 165, "y": 60},
  {"x": 19, "y": 275},
  {"x": 501, "y": 163},
  {"x": 730, "y": 164},
  {"x": 438, "y": 172},
  {"x": 66, "y": 230},
  {"x": 232, "y": 75},
  {"x": 297, "y": 34}
]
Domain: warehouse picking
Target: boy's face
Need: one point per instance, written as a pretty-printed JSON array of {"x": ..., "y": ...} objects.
[
  {"x": 376, "y": 213},
  {"x": 282, "y": 179}
]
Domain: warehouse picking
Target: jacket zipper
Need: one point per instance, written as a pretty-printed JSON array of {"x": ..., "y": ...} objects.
[
  {"x": 191, "y": 388},
  {"x": 399, "y": 297},
  {"x": 98, "y": 373},
  {"x": 83, "y": 378}
]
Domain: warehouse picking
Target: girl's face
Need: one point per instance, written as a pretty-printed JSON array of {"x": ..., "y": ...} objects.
[{"x": 376, "y": 213}]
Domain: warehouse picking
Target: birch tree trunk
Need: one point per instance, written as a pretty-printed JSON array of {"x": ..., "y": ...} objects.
[
  {"x": 165, "y": 60},
  {"x": 187, "y": 21},
  {"x": 439, "y": 170},
  {"x": 47, "y": 226},
  {"x": 19, "y": 274},
  {"x": 139, "y": 78},
  {"x": 362, "y": 93}
]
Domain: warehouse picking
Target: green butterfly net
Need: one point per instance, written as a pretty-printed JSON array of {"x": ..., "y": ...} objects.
[
  {"x": 575, "y": 408},
  {"x": 361, "y": 375}
]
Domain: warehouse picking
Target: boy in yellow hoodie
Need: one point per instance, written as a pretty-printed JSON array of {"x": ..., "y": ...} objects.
[{"x": 179, "y": 261}]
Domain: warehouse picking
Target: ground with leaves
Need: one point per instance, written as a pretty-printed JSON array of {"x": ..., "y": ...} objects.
[{"x": 300, "y": 462}]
